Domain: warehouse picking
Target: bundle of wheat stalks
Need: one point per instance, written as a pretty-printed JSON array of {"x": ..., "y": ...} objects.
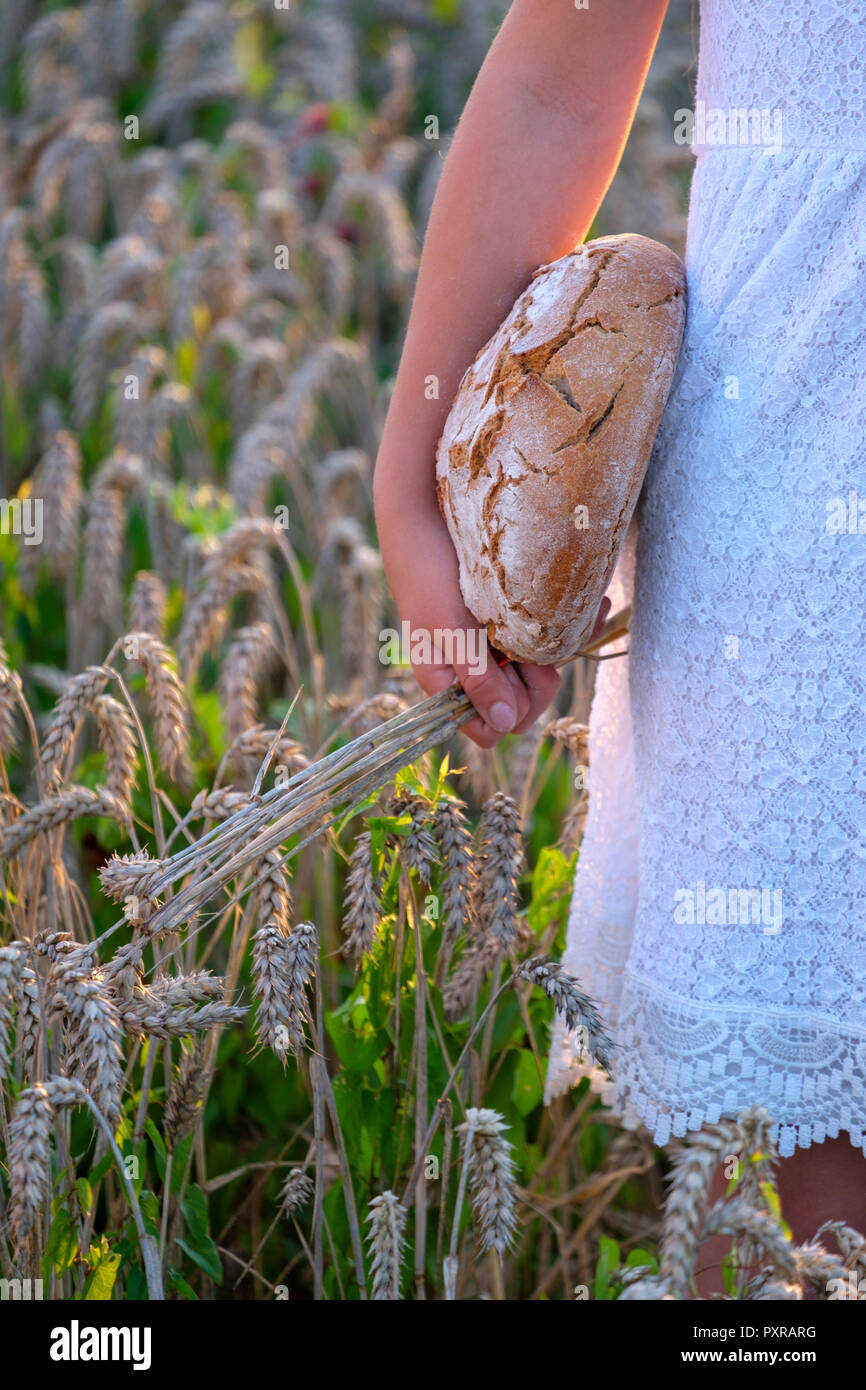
[
  {"x": 71, "y": 1009},
  {"x": 68, "y": 1008}
]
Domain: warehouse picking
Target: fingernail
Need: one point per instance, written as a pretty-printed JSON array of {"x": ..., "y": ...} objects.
[{"x": 501, "y": 716}]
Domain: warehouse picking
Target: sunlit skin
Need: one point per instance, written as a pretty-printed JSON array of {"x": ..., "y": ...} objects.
[{"x": 533, "y": 155}]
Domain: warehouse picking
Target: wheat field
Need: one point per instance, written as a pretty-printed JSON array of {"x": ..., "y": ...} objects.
[{"x": 278, "y": 961}]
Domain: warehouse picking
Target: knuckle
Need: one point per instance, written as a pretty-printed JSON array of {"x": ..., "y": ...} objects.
[{"x": 487, "y": 685}]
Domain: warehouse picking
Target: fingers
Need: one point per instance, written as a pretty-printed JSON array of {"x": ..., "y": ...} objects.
[
  {"x": 507, "y": 699},
  {"x": 541, "y": 684},
  {"x": 497, "y": 692},
  {"x": 433, "y": 676}
]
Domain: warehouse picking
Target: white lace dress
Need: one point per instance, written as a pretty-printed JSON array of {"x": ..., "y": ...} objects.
[{"x": 728, "y": 749}]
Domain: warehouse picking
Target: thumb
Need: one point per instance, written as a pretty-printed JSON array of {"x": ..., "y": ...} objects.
[{"x": 493, "y": 686}]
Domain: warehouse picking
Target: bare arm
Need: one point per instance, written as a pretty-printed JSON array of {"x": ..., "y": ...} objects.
[{"x": 534, "y": 152}]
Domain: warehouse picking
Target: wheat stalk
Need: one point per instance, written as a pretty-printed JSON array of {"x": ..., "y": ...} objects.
[
  {"x": 117, "y": 739},
  {"x": 29, "y": 1019},
  {"x": 184, "y": 1098},
  {"x": 499, "y": 862},
  {"x": 76, "y": 700},
  {"x": 10, "y": 695},
  {"x": 167, "y": 700},
  {"x": 569, "y": 1000},
  {"x": 487, "y": 1156},
  {"x": 387, "y": 1218},
  {"x": 55, "y": 811},
  {"x": 11, "y": 965},
  {"x": 271, "y": 989},
  {"x": 95, "y": 1041},
  {"x": 300, "y": 957},
  {"x": 361, "y": 907},
  {"x": 458, "y": 877},
  {"x": 145, "y": 1014},
  {"x": 295, "y": 1192},
  {"x": 417, "y": 847},
  {"x": 687, "y": 1202},
  {"x": 29, "y": 1159},
  {"x": 147, "y": 604},
  {"x": 241, "y": 669}
]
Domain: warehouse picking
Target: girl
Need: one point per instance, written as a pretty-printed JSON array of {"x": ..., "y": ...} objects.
[{"x": 718, "y": 907}]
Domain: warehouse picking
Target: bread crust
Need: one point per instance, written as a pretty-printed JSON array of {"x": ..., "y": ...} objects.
[{"x": 545, "y": 448}]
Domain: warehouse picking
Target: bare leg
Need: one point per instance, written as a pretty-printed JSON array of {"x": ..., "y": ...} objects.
[{"x": 824, "y": 1183}]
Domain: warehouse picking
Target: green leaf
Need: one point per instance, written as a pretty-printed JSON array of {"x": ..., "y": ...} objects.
[
  {"x": 608, "y": 1261},
  {"x": 508, "y": 1023},
  {"x": 62, "y": 1245},
  {"x": 349, "y": 1107},
  {"x": 551, "y": 886},
  {"x": 150, "y": 1211},
  {"x": 640, "y": 1259},
  {"x": 136, "y": 1286},
  {"x": 357, "y": 1050},
  {"x": 185, "y": 360},
  {"x": 158, "y": 1142},
  {"x": 527, "y": 1088},
  {"x": 256, "y": 74},
  {"x": 207, "y": 1258},
  {"x": 195, "y": 1213},
  {"x": 208, "y": 711},
  {"x": 177, "y": 1284},
  {"x": 380, "y": 827},
  {"x": 729, "y": 1273},
  {"x": 101, "y": 1281},
  {"x": 179, "y": 1164},
  {"x": 85, "y": 1195}
]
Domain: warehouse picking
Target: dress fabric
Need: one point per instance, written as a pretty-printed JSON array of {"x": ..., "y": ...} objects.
[{"x": 728, "y": 748}]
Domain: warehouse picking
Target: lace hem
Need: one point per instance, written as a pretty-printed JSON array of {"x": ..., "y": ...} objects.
[{"x": 684, "y": 1065}]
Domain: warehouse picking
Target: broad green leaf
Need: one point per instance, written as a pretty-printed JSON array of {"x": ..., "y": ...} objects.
[
  {"x": 102, "y": 1279},
  {"x": 179, "y": 1163},
  {"x": 206, "y": 1257},
  {"x": 62, "y": 1245},
  {"x": 177, "y": 1284},
  {"x": 527, "y": 1089},
  {"x": 195, "y": 1213}
]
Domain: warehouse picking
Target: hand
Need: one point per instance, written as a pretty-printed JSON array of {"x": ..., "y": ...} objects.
[{"x": 422, "y": 569}]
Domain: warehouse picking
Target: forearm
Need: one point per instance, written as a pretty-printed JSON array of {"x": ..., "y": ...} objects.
[{"x": 533, "y": 155}]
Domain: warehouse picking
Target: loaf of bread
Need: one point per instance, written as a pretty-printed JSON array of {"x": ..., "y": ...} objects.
[{"x": 545, "y": 448}]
